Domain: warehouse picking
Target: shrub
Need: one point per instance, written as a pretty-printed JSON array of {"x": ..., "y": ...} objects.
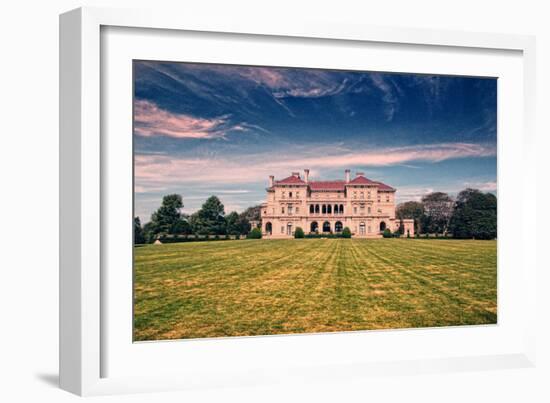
[
  {"x": 346, "y": 233},
  {"x": 255, "y": 233},
  {"x": 387, "y": 233},
  {"x": 299, "y": 232},
  {"x": 397, "y": 234}
]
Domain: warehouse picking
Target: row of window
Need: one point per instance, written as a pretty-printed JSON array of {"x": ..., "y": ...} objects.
[
  {"x": 290, "y": 194},
  {"x": 290, "y": 209},
  {"x": 355, "y": 194},
  {"x": 338, "y": 227},
  {"x": 326, "y": 209}
]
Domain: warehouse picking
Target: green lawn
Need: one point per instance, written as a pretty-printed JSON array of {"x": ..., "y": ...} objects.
[{"x": 259, "y": 287}]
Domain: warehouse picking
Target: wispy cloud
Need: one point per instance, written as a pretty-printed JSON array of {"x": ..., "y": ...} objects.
[
  {"x": 150, "y": 120},
  {"x": 390, "y": 93},
  {"x": 160, "y": 170}
]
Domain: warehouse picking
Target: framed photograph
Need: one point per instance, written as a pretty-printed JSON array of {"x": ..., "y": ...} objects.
[{"x": 247, "y": 203}]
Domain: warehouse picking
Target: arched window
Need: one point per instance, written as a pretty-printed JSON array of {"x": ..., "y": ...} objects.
[
  {"x": 316, "y": 209},
  {"x": 326, "y": 226},
  {"x": 268, "y": 228},
  {"x": 311, "y": 209},
  {"x": 329, "y": 209},
  {"x": 335, "y": 209},
  {"x": 362, "y": 228},
  {"x": 338, "y": 226},
  {"x": 382, "y": 226},
  {"x": 341, "y": 209},
  {"x": 314, "y": 226},
  {"x": 324, "y": 209}
]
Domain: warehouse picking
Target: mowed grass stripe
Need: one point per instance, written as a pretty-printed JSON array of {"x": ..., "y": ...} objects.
[{"x": 253, "y": 287}]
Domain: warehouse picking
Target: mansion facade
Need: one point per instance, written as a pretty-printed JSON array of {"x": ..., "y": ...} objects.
[{"x": 365, "y": 206}]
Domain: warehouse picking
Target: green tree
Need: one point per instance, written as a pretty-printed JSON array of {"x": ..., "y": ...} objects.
[
  {"x": 210, "y": 219},
  {"x": 252, "y": 213},
  {"x": 346, "y": 233},
  {"x": 411, "y": 210},
  {"x": 475, "y": 215},
  {"x": 387, "y": 233},
  {"x": 150, "y": 232},
  {"x": 438, "y": 209},
  {"x": 232, "y": 223},
  {"x": 139, "y": 236},
  {"x": 299, "y": 232},
  {"x": 243, "y": 225},
  {"x": 167, "y": 218},
  {"x": 255, "y": 233}
]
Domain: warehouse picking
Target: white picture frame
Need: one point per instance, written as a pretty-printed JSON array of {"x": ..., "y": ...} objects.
[{"x": 83, "y": 182}]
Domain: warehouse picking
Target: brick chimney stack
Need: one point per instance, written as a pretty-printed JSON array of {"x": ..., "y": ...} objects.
[
  {"x": 347, "y": 175},
  {"x": 306, "y": 175},
  {"x": 271, "y": 178}
]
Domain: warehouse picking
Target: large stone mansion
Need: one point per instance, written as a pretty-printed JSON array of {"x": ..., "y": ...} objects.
[{"x": 365, "y": 206}]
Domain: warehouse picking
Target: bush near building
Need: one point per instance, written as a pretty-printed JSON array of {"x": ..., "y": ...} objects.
[
  {"x": 255, "y": 233},
  {"x": 299, "y": 233}
]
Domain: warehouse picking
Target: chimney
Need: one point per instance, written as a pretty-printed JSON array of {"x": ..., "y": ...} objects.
[
  {"x": 347, "y": 175},
  {"x": 271, "y": 177},
  {"x": 360, "y": 174},
  {"x": 306, "y": 175}
]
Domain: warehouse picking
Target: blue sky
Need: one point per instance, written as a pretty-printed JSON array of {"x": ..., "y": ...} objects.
[{"x": 203, "y": 129}]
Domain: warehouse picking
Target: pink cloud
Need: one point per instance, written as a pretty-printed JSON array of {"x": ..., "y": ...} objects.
[
  {"x": 397, "y": 155},
  {"x": 150, "y": 120},
  {"x": 154, "y": 171}
]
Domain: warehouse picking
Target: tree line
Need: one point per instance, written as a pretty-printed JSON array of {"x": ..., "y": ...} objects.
[
  {"x": 210, "y": 219},
  {"x": 472, "y": 214}
]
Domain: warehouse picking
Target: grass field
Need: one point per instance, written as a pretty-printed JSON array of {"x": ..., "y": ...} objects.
[{"x": 261, "y": 287}]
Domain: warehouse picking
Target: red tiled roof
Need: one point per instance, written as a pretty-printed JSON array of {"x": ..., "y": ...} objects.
[
  {"x": 361, "y": 180},
  {"x": 327, "y": 185},
  {"x": 383, "y": 186},
  {"x": 291, "y": 180},
  {"x": 334, "y": 185}
]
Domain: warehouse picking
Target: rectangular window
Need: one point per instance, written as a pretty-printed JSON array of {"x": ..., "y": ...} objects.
[
  {"x": 355, "y": 195},
  {"x": 369, "y": 211},
  {"x": 290, "y": 195},
  {"x": 290, "y": 209},
  {"x": 297, "y": 210},
  {"x": 282, "y": 210},
  {"x": 355, "y": 210}
]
